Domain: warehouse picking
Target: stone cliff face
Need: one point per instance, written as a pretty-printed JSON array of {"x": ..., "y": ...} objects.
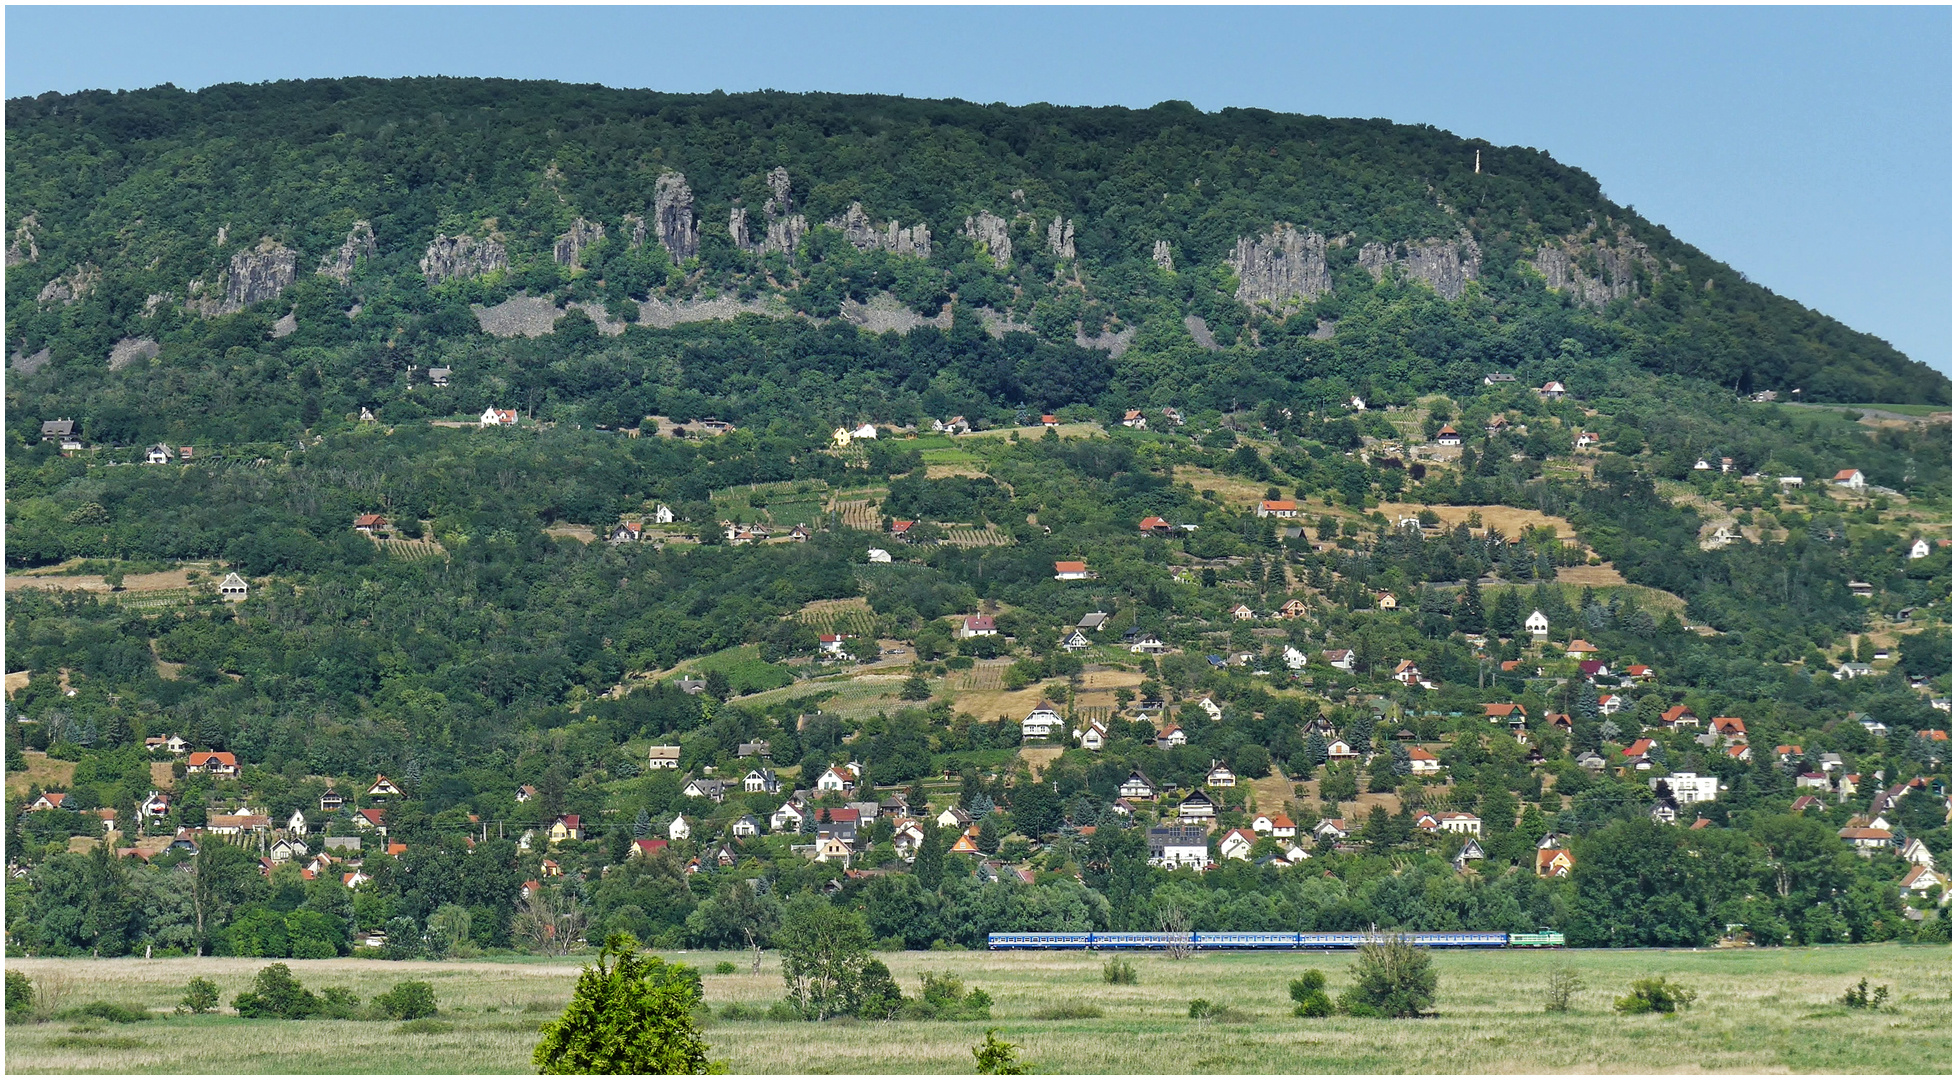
[
  {"x": 259, "y": 273},
  {"x": 568, "y": 247},
  {"x": 672, "y": 217},
  {"x": 1163, "y": 257},
  {"x": 1445, "y": 265},
  {"x": 360, "y": 244},
  {"x": 1060, "y": 237},
  {"x": 1283, "y": 265},
  {"x": 988, "y": 231},
  {"x": 866, "y": 235},
  {"x": 635, "y": 230},
  {"x": 71, "y": 286},
  {"x": 1592, "y": 268},
  {"x": 453, "y": 257},
  {"x": 783, "y": 229},
  {"x": 22, "y": 248}
]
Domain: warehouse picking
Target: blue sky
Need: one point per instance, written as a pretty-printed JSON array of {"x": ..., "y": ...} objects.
[{"x": 1808, "y": 147}]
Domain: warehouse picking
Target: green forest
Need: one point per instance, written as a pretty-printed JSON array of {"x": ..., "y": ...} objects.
[{"x": 187, "y": 399}]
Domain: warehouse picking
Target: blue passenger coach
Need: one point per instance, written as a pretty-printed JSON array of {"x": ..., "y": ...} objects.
[{"x": 1445, "y": 939}]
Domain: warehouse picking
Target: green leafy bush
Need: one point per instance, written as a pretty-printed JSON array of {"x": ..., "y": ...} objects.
[
  {"x": 944, "y": 997},
  {"x": 1563, "y": 987},
  {"x": 1391, "y": 978},
  {"x": 1118, "y": 971},
  {"x": 20, "y": 992},
  {"x": 338, "y": 1003},
  {"x": 629, "y": 1014},
  {"x": 407, "y": 1001},
  {"x": 200, "y": 995},
  {"x": 1859, "y": 997},
  {"x": 1308, "y": 990},
  {"x": 276, "y": 995},
  {"x": 107, "y": 1010},
  {"x": 725, "y": 967},
  {"x": 1656, "y": 995},
  {"x": 997, "y": 1057}
]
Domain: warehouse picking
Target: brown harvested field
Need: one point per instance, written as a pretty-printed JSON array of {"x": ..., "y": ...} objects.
[
  {"x": 581, "y": 533},
  {"x": 17, "y": 681},
  {"x": 1508, "y": 519},
  {"x": 1606, "y": 574},
  {"x": 1039, "y": 757},
  {"x": 50, "y": 774},
  {"x": 1034, "y": 431},
  {"x": 162, "y": 776},
  {"x": 136, "y": 583},
  {"x": 1230, "y": 490},
  {"x": 938, "y": 472}
]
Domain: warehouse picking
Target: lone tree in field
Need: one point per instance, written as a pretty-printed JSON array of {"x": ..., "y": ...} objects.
[
  {"x": 1391, "y": 978},
  {"x": 631, "y": 1014},
  {"x": 824, "y": 949}
]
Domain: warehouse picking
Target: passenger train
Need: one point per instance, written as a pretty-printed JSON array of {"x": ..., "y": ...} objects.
[{"x": 1447, "y": 939}]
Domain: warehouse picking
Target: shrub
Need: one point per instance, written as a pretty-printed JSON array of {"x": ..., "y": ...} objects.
[
  {"x": 1308, "y": 990},
  {"x": 1656, "y": 995},
  {"x": 407, "y": 1001},
  {"x": 878, "y": 996},
  {"x": 725, "y": 967},
  {"x": 1118, "y": 971},
  {"x": 275, "y": 994},
  {"x": 338, "y": 1003},
  {"x": 1201, "y": 1009},
  {"x": 1070, "y": 1011},
  {"x": 107, "y": 1010},
  {"x": 1391, "y": 978},
  {"x": 783, "y": 1011},
  {"x": 1858, "y": 996},
  {"x": 996, "y": 1057},
  {"x": 1562, "y": 990},
  {"x": 735, "y": 1010},
  {"x": 199, "y": 996},
  {"x": 20, "y": 992},
  {"x": 630, "y": 1014}
]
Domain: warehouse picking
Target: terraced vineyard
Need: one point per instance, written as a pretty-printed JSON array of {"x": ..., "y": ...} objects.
[
  {"x": 851, "y": 616},
  {"x": 990, "y": 536},
  {"x": 857, "y": 513}
]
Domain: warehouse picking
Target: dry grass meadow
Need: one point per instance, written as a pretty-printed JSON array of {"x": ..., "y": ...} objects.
[{"x": 1759, "y": 1011}]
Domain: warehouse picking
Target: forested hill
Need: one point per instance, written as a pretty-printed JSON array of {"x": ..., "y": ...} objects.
[{"x": 1149, "y": 256}]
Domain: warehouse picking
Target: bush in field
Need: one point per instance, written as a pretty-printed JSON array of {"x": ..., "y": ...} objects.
[
  {"x": 997, "y": 1057},
  {"x": 1656, "y": 995},
  {"x": 1118, "y": 971},
  {"x": 1391, "y": 978},
  {"x": 275, "y": 994},
  {"x": 1858, "y": 996},
  {"x": 1564, "y": 985},
  {"x": 1308, "y": 990},
  {"x": 407, "y": 1001},
  {"x": 199, "y": 996},
  {"x": 944, "y": 997},
  {"x": 107, "y": 1010},
  {"x": 630, "y": 1014},
  {"x": 725, "y": 967},
  {"x": 338, "y": 1003},
  {"x": 20, "y": 993}
]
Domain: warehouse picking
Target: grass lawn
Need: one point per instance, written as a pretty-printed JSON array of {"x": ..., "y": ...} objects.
[{"x": 1766, "y": 1010}]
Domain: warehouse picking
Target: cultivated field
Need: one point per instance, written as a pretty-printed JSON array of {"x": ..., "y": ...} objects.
[{"x": 1767, "y": 1010}]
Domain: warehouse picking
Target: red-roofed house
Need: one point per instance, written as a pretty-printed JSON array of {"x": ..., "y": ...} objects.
[
  {"x": 1805, "y": 803},
  {"x": 214, "y": 762},
  {"x": 1067, "y": 570},
  {"x": 1504, "y": 711},
  {"x": 1741, "y": 752},
  {"x": 566, "y": 827},
  {"x": 1866, "y": 840},
  {"x": 369, "y": 524},
  {"x": 1679, "y": 716},
  {"x": 1236, "y": 844},
  {"x": 647, "y": 848},
  {"x": 371, "y": 819},
  {"x": 1423, "y": 763},
  {"x": 1729, "y": 726},
  {"x": 1279, "y": 508},
  {"x": 978, "y": 626},
  {"x": 1156, "y": 526}
]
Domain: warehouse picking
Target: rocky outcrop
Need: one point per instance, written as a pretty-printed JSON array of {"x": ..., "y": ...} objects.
[
  {"x": 568, "y": 247},
  {"x": 519, "y": 316},
  {"x": 1114, "y": 343},
  {"x": 1283, "y": 265},
  {"x": 1200, "y": 330},
  {"x": 360, "y": 244},
  {"x": 260, "y": 274},
  {"x": 672, "y": 217},
  {"x": 1163, "y": 257},
  {"x": 1446, "y": 266},
  {"x": 22, "y": 247},
  {"x": 782, "y": 228},
  {"x": 155, "y": 302},
  {"x": 1593, "y": 269},
  {"x": 71, "y": 286},
  {"x": 656, "y": 312},
  {"x": 28, "y": 364},
  {"x": 988, "y": 231},
  {"x": 999, "y": 324},
  {"x": 1060, "y": 237},
  {"x": 635, "y": 230},
  {"x": 287, "y": 325},
  {"x": 607, "y": 325},
  {"x": 1325, "y": 330},
  {"x": 885, "y": 314},
  {"x": 866, "y": 235},
  {"x": 452, "y": 257},
  {"x": 133, "y": 350}
]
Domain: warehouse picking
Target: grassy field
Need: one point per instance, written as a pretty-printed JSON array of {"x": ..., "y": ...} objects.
[{"x": 1769, "y": 1010}]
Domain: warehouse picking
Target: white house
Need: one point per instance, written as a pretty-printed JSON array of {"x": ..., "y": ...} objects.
[
  {"x": 1220, "y": 775},
  {"x": 1148, "y": 645},
  {"x": 1173, "y": 847},
  {"x": 1456, "y": 822},
  {"x": 877, "y": 555},
  {"x": 1070, "y": 570},
  {"x": 1338, "y": 658},
  {"x": 867, "y": 431},
  {"x": 1279, "y": 508},
  {"x": 1236, "y": 844},
  {"x": 296, "y": 824},
  {"x": 1039, "y": 723},
  {"x": 1137, "y": 786},
  {"x": 786, "y": 819},
  {"x": 1294, "y": 659},
  {"x": 1173, "y": 735},
  {"x": 835, "y": 779},
  {"x": 160, "y": 454},
  {"x": 1537, "y": 624},
  {"x": 1851, "y": 479},
  {"x": 978, "y": 626},
  {"x": 1920, "y": 549},
  {"x": 233, "y": 587},
  {"x": 679, "y": 829},
  {"x": 663, "y": 757},
  {"x": 1424, "y": 763},
  {"x": 1075, "y": 641},
  {"x": 495, "y": 417},
  {"x": 663, "y": 515},
  {"x": 831, "y": 644},
  {"x": 1688, "y": 788},
  {"x": 760, "y": 782},
  {"x": 1094, "y": 736}
]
